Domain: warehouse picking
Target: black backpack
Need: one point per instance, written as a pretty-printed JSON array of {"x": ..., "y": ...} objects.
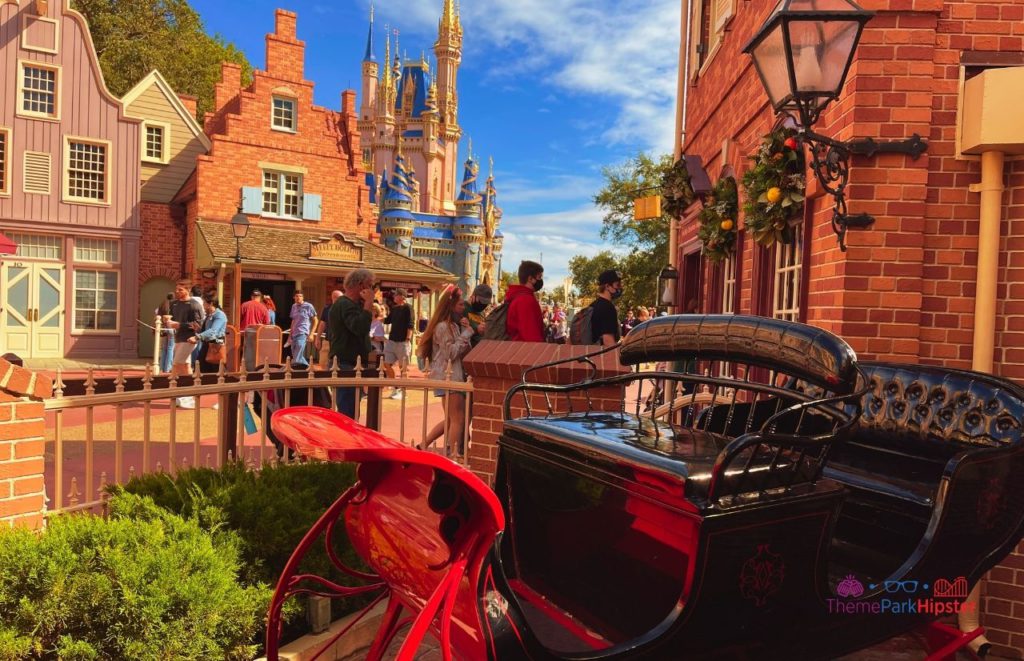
[
  {"x": 582, "y": 329},
  {"x": 497, "y": 323}
]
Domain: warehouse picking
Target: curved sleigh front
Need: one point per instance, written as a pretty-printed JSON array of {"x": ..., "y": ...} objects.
[{"x": 422, "y": 523}]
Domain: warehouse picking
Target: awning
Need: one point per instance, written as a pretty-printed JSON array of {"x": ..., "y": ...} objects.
[
  {"x": 328, "y": 253},
  {"x": 7, "y": 247}
]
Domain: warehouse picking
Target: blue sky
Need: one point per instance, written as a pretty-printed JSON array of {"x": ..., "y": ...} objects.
[{"x": 552, "y": 89}]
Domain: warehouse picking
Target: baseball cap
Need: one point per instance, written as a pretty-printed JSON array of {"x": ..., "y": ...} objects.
[
  {"x": 609, "y": 277},
  {"x": 483, "y": 293}
]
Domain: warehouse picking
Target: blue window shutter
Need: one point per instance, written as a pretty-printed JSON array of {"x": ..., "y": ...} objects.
[
  {"x": 311, "y": 207},
  {"x": 252, "y": 200}
]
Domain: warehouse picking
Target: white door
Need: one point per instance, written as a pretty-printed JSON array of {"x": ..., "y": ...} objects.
[{"x": 32, "y": 321}]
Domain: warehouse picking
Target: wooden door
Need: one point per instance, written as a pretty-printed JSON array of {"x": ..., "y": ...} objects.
[{"x": 32, "y": 320}]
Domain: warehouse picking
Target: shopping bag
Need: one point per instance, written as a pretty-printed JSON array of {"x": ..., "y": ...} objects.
[{"x": 249, "y": 420}]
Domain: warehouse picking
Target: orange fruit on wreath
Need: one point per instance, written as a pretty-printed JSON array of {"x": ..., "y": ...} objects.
[
  {"x": 727, "y": 225},
  {"x": 774, "y": 194}
]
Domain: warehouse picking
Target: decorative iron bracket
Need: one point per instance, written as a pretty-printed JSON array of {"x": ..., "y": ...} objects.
[
  {"x": 913, "y": 146},
  {"x": 830, "y": 161}
]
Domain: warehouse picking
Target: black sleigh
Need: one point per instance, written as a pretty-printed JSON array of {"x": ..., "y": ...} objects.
[{"x": 767, "y": 497}]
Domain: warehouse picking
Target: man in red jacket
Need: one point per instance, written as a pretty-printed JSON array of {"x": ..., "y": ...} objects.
[{"x": 524, "y": 322}]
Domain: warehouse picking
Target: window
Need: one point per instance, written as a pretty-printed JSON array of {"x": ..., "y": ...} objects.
[
  {"x": 95, "y": 300},
  {"x": 5, "y": 139},
  {"x": 39, "y": 96},
  {"x": 729, "y": 285},
  {"x": 788, "y": 267},
  {"x": 103, "y": 251},
  {"x": 367, "y": 157},
  {"x": 283, "y": 114},
  {"x": 709, "y": 20},
  {"x": 86, "y": 171},
  {"x": 155, "y": 139},
  {"x": 282, "y": 194},
  {"x": 38, "y": 246}
]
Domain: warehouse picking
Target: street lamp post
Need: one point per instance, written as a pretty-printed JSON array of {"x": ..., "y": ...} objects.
[
  {"x": 803, "y": 54},
  {"x": 239, "y": 228}
]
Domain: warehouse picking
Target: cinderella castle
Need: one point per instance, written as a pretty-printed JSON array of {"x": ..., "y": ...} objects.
[{"x": 409, "y": 125}]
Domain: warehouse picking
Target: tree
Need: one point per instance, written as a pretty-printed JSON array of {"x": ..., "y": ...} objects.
[
  {"x": 133, "y": 37},
  {"x": 644, "y": 243}
]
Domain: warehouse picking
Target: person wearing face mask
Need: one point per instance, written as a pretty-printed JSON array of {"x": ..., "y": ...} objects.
[
  {"x": 525, "y": 322},
  {"x": 349, "y": 327},
  {"x": 476, "y": 312},
  {"x": 604, "y": 323}
]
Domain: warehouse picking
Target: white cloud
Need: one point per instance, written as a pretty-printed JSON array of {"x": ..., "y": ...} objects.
[{"x": 625, "y": 52}]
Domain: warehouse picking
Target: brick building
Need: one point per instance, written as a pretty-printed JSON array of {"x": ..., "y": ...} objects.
[
  {"x": 295, "y": 169},
  {"x": 906, "y": 288}
]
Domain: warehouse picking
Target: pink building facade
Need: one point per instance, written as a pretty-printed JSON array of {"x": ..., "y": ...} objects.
[{"x": 69, "y": 192}]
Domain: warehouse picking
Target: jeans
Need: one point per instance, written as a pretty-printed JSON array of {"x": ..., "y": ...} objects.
[
  {"x": 167, "y": 351},
  {"x": 299, "y": 351},
  {"x": 348, "y": 399}
]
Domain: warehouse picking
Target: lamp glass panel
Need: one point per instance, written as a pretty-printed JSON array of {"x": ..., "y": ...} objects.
[
  {"x": 771, "y": 62},
  {"x": 821, "y": 51},
  {"x": 239, "y": 227}
]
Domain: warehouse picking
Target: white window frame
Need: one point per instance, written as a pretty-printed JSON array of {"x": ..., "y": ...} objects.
[
  {"x": 5, "y": 173},
  {"x": 295, "y": 114},
  {"x": 788, "y": 277},
  {"x": 83, "y": 244},
  {"x": 280, "y": 176},
  {"x": 57, "y": 96},
  {"x": 166, "y": 147},
  {"x": 95, "y": 268},
  {"x": 729, "y": 284},
  {"x": 66, "y": 171},
  {"x": 31, "y": 241}
]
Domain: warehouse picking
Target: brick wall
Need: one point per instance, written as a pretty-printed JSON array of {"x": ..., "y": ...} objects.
[
  {"x": 163, "y": 236},
  {"x": 905, "y": 289},
  {"x": 496, "y": 367},
  {"x": 325, "y": 144},
  {"x": 22, "y": 497}
]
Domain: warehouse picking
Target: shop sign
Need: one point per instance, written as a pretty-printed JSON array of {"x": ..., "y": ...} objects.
[
  {"x": 335, "y": 248},
  {"x": 408, "y": 286},
  {"x": 264, "y": 276}
]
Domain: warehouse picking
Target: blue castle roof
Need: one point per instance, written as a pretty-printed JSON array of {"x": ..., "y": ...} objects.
[
  {"x": 416, "y": 75},
  {"x": 469, "y": 192},
  {"x": 370, "y": 57}
]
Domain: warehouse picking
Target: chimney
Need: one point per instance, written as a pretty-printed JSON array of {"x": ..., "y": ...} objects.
[
  {"x": 230, "y": 84},
  {"x": 191, "y": 104},
  {"x": 285, "y": 53},
  {"x": 348, "y": 102},
  {"x": 284, "y": 24}
]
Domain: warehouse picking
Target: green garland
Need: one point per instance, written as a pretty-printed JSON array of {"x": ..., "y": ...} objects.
[
  {"x": 718, "y": 220},
  {"x": 676, "y": 189},
  {"x": 774, "y": 188}
]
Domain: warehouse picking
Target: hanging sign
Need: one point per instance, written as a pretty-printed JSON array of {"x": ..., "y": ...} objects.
[{"x": 335, "y": 248}]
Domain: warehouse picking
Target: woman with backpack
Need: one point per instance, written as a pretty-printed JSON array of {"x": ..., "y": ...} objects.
[{"x": 446, "y": 340}]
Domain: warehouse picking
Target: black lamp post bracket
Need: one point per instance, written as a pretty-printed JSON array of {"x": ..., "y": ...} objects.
[{"x": 913, "y": 146}]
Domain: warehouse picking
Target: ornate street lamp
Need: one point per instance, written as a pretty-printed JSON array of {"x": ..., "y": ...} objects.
[
  {"x": 239, "y": 228},
  {"x": 803, "y": 54},
  {"x": 667, "y": 280}
]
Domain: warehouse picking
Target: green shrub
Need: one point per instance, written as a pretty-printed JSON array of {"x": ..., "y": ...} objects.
[
  {"x": 270, "y": 510},
  {"x": 143, "y": 584}
]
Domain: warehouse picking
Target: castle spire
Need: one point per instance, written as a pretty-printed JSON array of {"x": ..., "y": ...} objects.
[
  {"x": 370, "y": 57},
  {"x": 449, "y": 16},
  {"x": 387, "y": 59}
]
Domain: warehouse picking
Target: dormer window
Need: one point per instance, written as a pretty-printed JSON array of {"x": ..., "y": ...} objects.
[
  {"x": 283, "y": 116},
  {"x": 155, "y": 142}
]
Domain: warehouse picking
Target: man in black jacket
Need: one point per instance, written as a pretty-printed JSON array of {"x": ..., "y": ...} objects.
[{"x": 350, "y": 331}]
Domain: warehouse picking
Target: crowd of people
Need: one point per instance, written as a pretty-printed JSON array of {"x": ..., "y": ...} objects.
[{"x": 361, "y": 326}]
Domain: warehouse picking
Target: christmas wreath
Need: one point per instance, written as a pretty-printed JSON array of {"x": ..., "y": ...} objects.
[
  {"x": 718, "y": 220},
  {"x": 676, "y": 189},
  {"x": 774, "y": 188}
]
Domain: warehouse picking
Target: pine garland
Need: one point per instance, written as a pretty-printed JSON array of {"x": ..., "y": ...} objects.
[
  {"x": 774, "y": 189},
  {"x": 718, "y": 220},
  {"x": 676, "y": 189}
]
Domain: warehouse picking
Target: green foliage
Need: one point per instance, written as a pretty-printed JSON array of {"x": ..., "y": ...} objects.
[
  {"x": 134, "y": 37},
  {"x": 143, "y": 584},
  {"x": 269, "y": 510},
  {"x": 676, "y": 189},
  {"x": 642, "y": 246},
  {"x": 774, "y": 188},
  {"x": 718, "y": 220}
]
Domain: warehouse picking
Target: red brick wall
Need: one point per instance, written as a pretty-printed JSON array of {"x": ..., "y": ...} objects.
[
  {"x": 22, "y": 497},
  {"x": 163, "y": 237},
  {"x": 496, "y": 367},
  {"x": 326, "y": 143},
  {"x": 905, "y": 289}
]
